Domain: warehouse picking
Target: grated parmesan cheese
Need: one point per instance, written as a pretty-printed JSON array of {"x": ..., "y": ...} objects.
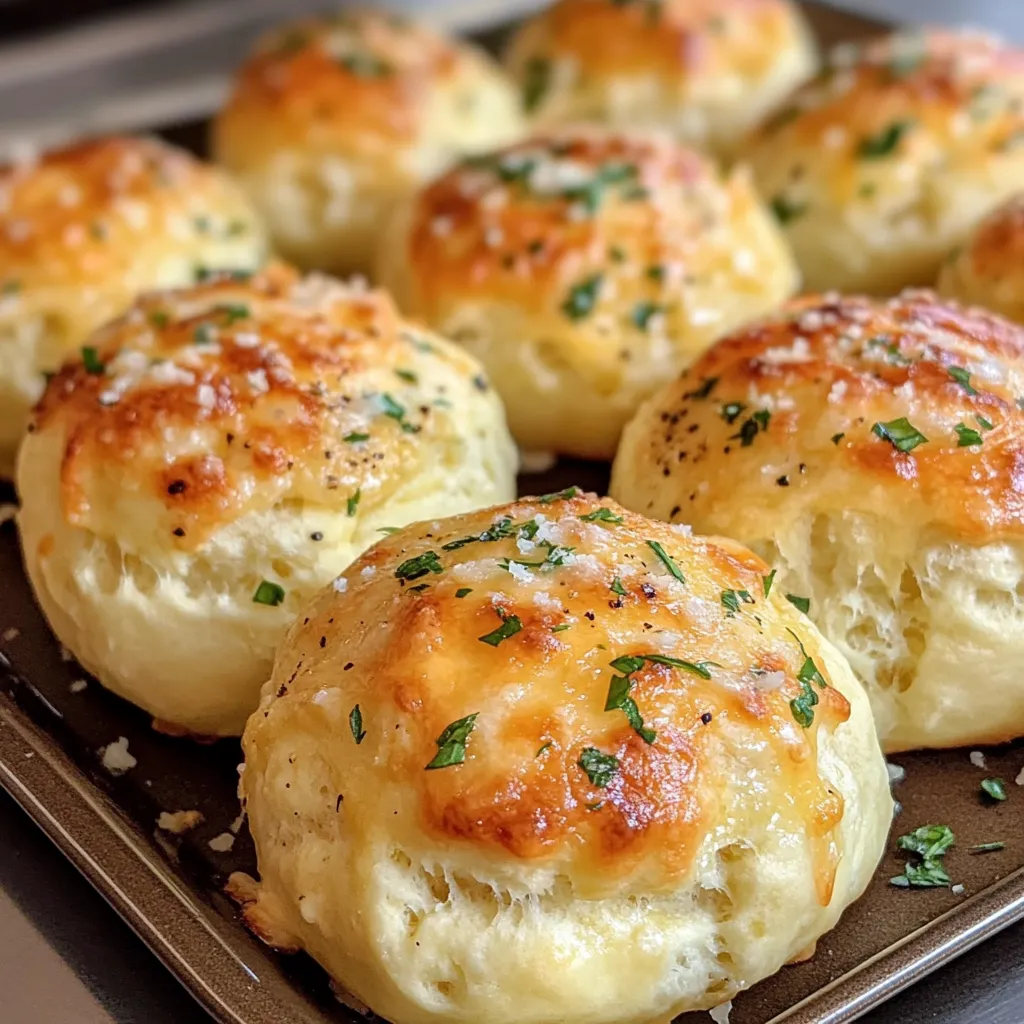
[{"x": 115, "y": 757}]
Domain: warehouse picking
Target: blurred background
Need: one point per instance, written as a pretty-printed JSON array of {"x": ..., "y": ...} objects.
[{"x": 77, "y": 66}]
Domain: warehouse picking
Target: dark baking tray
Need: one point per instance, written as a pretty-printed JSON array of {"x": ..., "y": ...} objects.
[{"x": 169, "y": 888}]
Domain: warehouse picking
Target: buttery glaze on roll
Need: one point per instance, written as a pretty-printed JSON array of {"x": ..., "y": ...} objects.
[
  {"x": 82, "y": 231},
  {"x": 884, "y": 163},
  {"x": 874, "y": 452},
  {"x": 221, "y": 452},
  {"x": 556, "y": 761},
  {"x": 585, "y": 268},
  {"x": 705, "y": 70},
  {"x": 989, "y": 269},
  {"x": 334, "y": 119}
]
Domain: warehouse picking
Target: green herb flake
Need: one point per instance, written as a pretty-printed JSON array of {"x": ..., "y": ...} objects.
[
  {"x": 159, "y": 318},
  {"x": 268, "y": 593},
  {"x": 356, "y": 437},
  {"x": 752, "y": 426},
  {"x": 885, "y": 142},
  {"x": 233, "y": 311},
  {"x": 732, "y": 599},
  {"x": 583, "y": 298},
  {"x": 706, "y": 387},
  {"x": 987, "y": 847},
  {"x": 600, "y": 768},
  {"x": 901, "y": 434},
  {"x": 657, "y": 272},
  {"x": 930, "y": 843},
  {"x": 666, "y": 560},
  {"x": 541, "y": 749},
  {"x": 407, "y": 375},
  {"x": 967, "y": 436},
  {"x": 536, "y": 82},
  {"x": 365, "y": 65},
  {"x": 616, "y": 587},
  {"x": 982, "y": 422},
  {"x": 802, "y": 604},
  {"x": 644, "y": 312},
  {"x": 786, "y": 210},
  {"x": 510, "y": 625},
  {"x": 393, "y": 410},
  {"x": 962, "y": 377},
  {"x": 463, "y": 592},
  {"x": 562, "y": 628},
  {"x": 388, "y": 530},
  {"x": 767, "y": 581},
  {"x": 836, "y": 438},
  {"x": 91, "y": 360},
  {"x": 203, "y": 334},
  {"x": 11, "y": 286},
  {"x": 451, "y": 744},
  {"x": 994, "y": 788},
  {"x": 413, "y": 568},
  {"x": 353, "y": 502},
  {"x": 618, "y": 699},
  {"x": 563, "y": 495},
  {"x": 355, "y": 723},
  {"x": 601, "y": 515}
]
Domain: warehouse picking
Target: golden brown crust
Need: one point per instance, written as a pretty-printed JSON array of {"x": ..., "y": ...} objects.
[
  {"x": 933, "y": 99},
  {"x": 356, "y": 81},
  {"x": 401, "y": 638},
  {"x": 236, "y": 394},
  {"x": 784, "y": 418},
  {"x": 674, "y": 39},
  {"x": 76, "y": 215}
]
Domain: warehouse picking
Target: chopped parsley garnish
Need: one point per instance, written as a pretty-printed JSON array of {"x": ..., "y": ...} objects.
[
  {"x": 705, "y": 389},
  {"x": 786, "y": 210},
  {"x": 892, "y": 349},
  {"x": 803, "y": 705},
  {"x": 557, "y": 554},
  {"x": 463, "y": 591},
  {"x": 601, "y": 515},
  {"x": 355, "y": 437},
  {"x": 982, "y": 422},
  {"x": 203, "y": 334},
  {"x": 962, "y": 377},
  {"x": 630, "y": 663},
  {"x": 731, "y": 411},
  {"x": 901, "y": 434},
  {"x": 616, "y": 587},
  {"x": 365, "y": 65},
  {"x": 10, "y": 287},
  {"x": 836, "y": 438},
  {"x": 966, "y": 436},
  {"x": 732, "y": 598},
  {"x": 268, "y": 593},
  {"x": 355, "y": 723},
  {"x": 353, "y": 502},
  {"x": 656, "y": 272},
  {"x": 752, "y": 426},
  {"x": 392, "y": 409},
  {"x": 987, "y": 847},
  {"x": 905, "y": 64},
  {"x": 414, "y": 568},
  {"x": 802, "y": 604},
  {"x": 994, "y": 788},
  {"x": 583, "y": 297},
  {"x": 562, "y": 628},
  {"x": 233, "y": 311},
  {"x": 616, "y": 254},
  {"x": 564, "y": 495},
  {"x": 600, "y": 768},
  {"x": 930, "y": 843},
  {"x": 542, "y": 748},
  {"x": 159, "y": 318},
  {"x": 666, "y": 560},
  {"x": 510, "y": 625},
  {"x": 407, "y": 375},
  {"x": 643, "y": 312},
  {"x": 91, "y": 360},
  {"x": 451, "y": 744},
  {"x": 767, "y": 581},
  {"x": 876, "y": 147},
  {"x": 536, "y": 82},
  {"x": 618, "y": 699}
]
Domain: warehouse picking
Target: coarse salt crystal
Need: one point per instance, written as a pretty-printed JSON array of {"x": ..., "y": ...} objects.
[
  {"x": 977, "y": 758},
  {"x": 340, "y": 584},
  {"x": 258, "y": 380},
  {"x": 206, "y": 396},
  {"x": 957, "y": 889},
  {"x": 10, "y": 634},
  {"x": 720, "y": 1014},
  {"x": 770, "y": 681},
  {"x": 897, "y": 773},
  {"x": 78, "y": 685}
]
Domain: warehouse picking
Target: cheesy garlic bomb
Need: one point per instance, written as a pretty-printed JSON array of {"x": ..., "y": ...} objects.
[
  {"x": 872, "y": 452},
  {"x": 82, "y": 231},
  {"x": 553, "y": 761},
  {"x": 585, "y": 268},
  {"x": 217, "y": 455}
]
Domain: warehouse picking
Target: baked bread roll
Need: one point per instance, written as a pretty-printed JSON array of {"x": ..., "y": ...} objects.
[
  {"x": 584, "y": 269},
  {"x": 989, "y": 269},
  {"x": 705, "y": 70},
  {"x": 220, "y": 453},
  {"x": 82, "y": 231},
  {"x": 335, "y": 119},
  {"x": 884, "y": 163},
  {"x": 869, "y": 451},
  {"x": 553, "y": 761}
]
